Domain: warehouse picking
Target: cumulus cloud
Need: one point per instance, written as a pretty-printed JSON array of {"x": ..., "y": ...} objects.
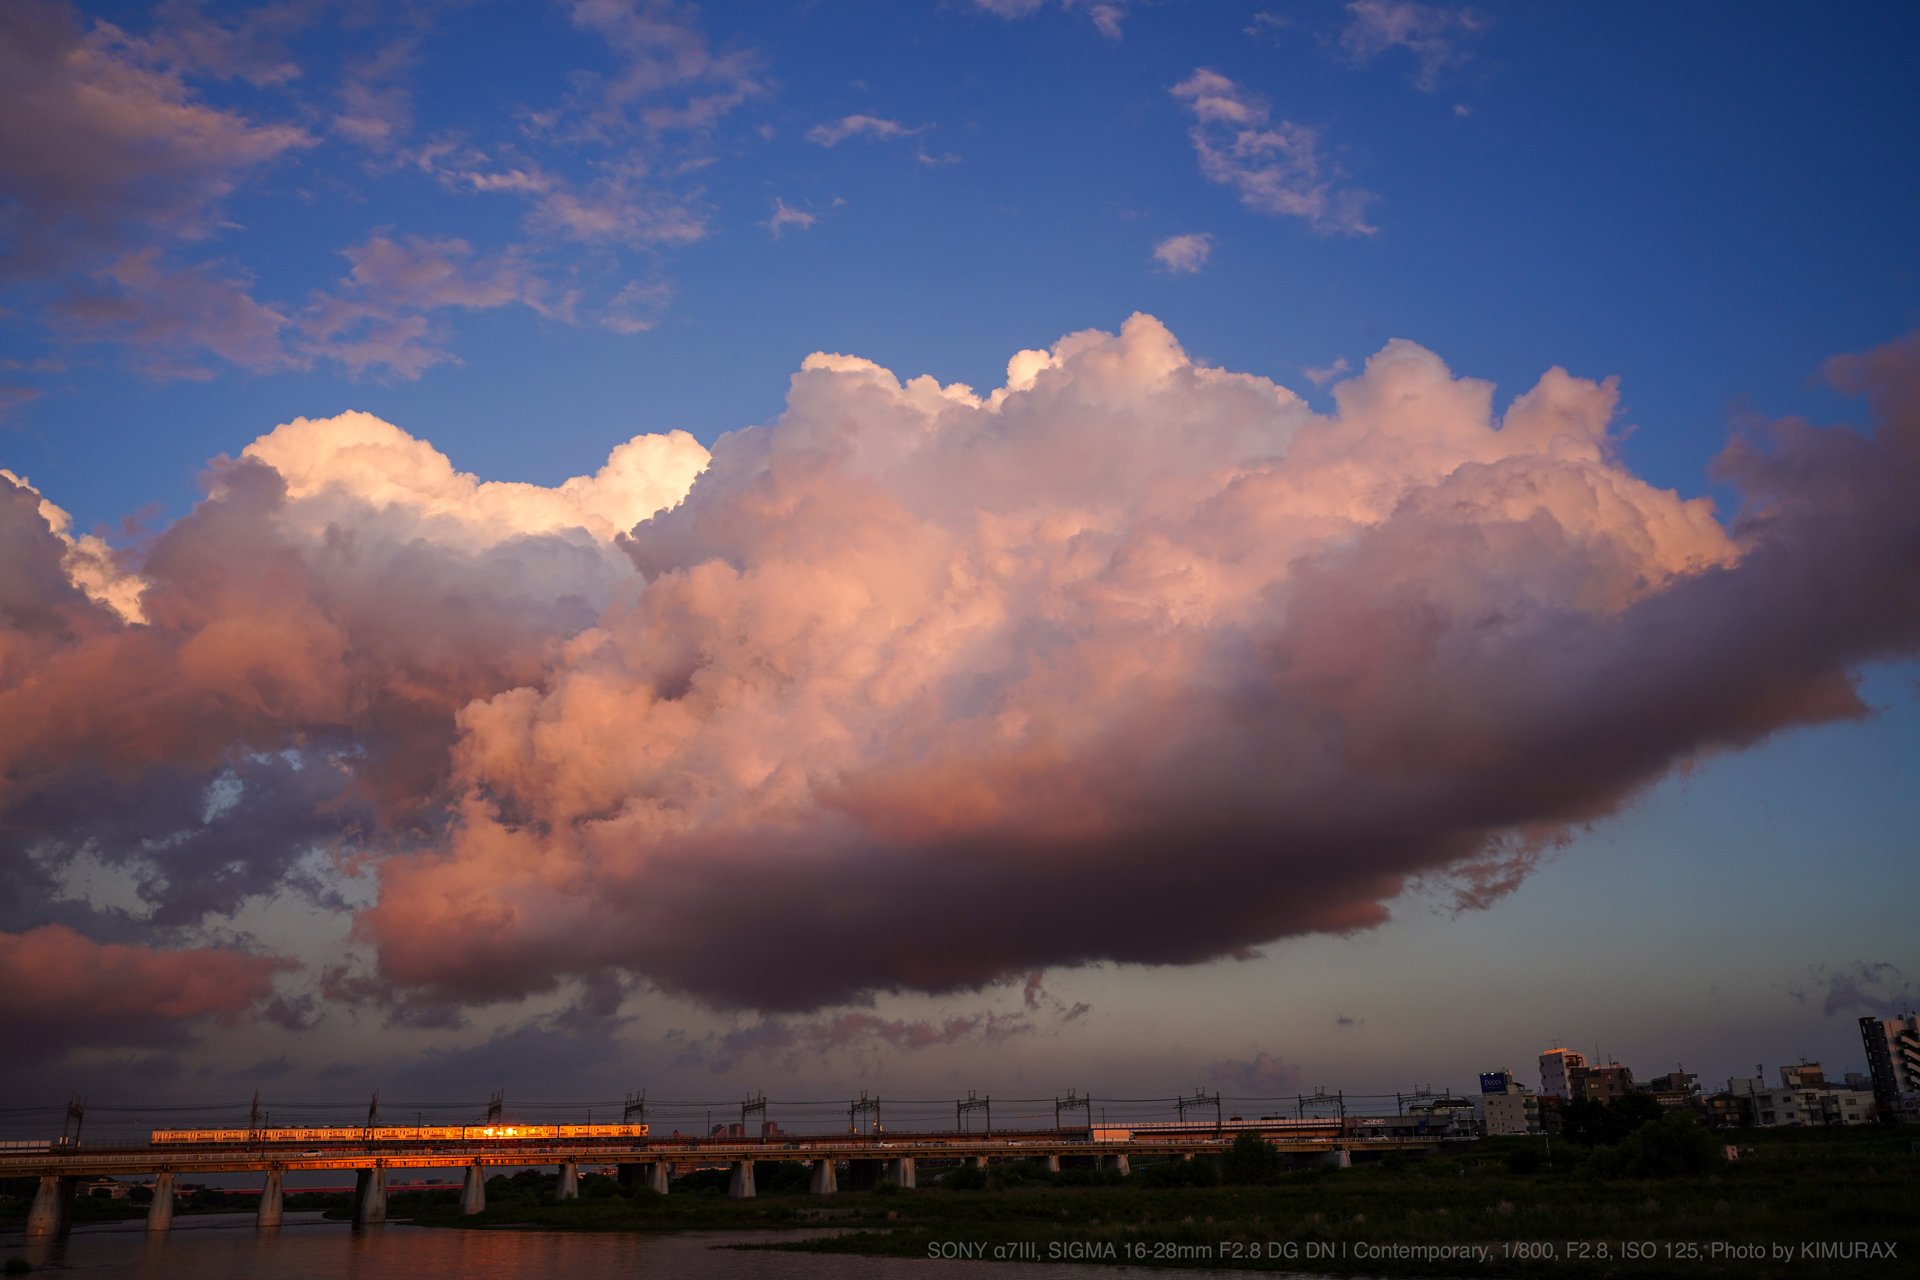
[
  {"x": 1435, "y": 36},
  {"x": 1276, "y": 166},
  {"x": 59, "y": 990},
  {"x": 1880, "y": 989},
  {"x": 1264, "y": 1077},
  {"x": 1183, "y": 255},
  {"x": 914, "y": 665}
]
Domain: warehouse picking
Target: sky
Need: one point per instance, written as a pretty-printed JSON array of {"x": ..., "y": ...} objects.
[{"x": 579, "y": 546}]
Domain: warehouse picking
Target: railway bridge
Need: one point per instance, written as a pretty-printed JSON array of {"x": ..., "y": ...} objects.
[{"x": 868, "y": 1160}]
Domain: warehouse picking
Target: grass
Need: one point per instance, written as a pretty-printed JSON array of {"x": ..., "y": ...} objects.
[{"x": 1790, "y": 1188}]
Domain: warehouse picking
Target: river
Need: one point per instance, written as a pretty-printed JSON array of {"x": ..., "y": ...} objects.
[{"x": 229, "y": 1247}]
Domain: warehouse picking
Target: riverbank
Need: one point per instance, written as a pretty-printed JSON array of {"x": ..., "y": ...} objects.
[{"x": 1797, "y": 1202}]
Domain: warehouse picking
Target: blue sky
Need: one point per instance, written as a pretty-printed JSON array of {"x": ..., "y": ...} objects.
[{"x": 526, "y": 232}]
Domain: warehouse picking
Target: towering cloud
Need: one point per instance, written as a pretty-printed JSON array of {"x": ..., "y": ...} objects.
[{"x": 1131, "y": 659}]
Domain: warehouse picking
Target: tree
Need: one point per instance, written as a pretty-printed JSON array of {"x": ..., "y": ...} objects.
[{"x": 1252, "y": 1159}]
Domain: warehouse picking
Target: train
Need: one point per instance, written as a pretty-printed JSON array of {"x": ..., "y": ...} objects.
[{"x": 361, "y": 1136}]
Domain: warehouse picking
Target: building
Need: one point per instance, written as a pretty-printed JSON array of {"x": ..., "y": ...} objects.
[
  {"x": 1554, "y": 1066},
  {"x": 1893, "y": 1063},
  {"x": 1599, "y": 1084},
  {"x": 1552, "y": 1119},
  {"x": 1674, "y": 1091},
  {"x": 1726, "y": 1109},
  {"x": 1505, "y": 1105},
  {"x": 1803, "y": 1098}
]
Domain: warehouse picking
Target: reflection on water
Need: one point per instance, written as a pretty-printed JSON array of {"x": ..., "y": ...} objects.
[{"x": 237, "y": 1251}]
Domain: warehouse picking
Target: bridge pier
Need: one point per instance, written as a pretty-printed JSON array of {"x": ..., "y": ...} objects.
[
  {"x": 822, "y": 1181},
  {"x": 370, "y": 1197},
  {"x": 473, "y": 1191},
  {"x": 569, "y": 1188},
  {"x": 900, "y": 1173},
  {"x": 272, "y": 1203},
  {"x": 1338, "y": 1159},
  {"x": 658, "y": 1175},
  {"x": 160, "y": 1212},
  {"x": 976, "y": 1162},
  {"x": 740, "y": 1180},
  {"x": 1051, "y": 1162},
  {"x": 52, "y": 1211},
  {"x": 1116, "y": 1160}
]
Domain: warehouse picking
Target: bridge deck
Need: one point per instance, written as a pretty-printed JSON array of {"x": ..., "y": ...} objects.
[{"x": 151, "y": 1160}]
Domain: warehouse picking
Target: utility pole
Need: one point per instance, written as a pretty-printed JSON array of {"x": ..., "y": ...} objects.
[
  {"x": 756, "y": 1103},
  {"x": 1073, "y": 1102},
  {"x": 636, "y": 1105},
  {"x": 496, "y": 1105},
  {"x": 972, "y": 1103},
  {"x": 77, "y": 1114},
  {"x": 862, "y": 1106}
]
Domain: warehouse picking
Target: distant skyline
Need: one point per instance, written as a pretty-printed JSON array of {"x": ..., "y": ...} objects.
[{"x": 1243, "y": 547}]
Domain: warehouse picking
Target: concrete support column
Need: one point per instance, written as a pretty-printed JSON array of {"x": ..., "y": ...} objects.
[
  {"x": 821, "y": 1181},
  {"x": 473, "y": 1191},
  {"x": 900, "y": 1172},
  {"x": 1051, "y": 1162},
  {"x": 52, "y": 1211},
  {"x": 1183, "y": 1155},
  {"x": 977, "y": 1162},
  {"x": 272, "y": 1203},
  {"x": 1338, "y": 1159},
  {"x": 740, "y": 1182},
  {"x": 658, "y": 1175},
  {"x": 1116, "y": 1160},
  {"x": 370, "y": 1197},
  {"x": 160, "y": 1212},
  {"x": 569, "y": 1188}
]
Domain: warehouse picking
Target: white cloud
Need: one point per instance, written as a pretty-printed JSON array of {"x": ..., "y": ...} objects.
[
  {"x": 1184, "y": 254},
  {"x": 1277, "y": 167}
]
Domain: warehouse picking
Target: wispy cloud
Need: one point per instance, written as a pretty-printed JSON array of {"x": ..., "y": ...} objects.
[
  {"x": 1107, "y": 15},
  {"x": 839, "y": 131},
  {"x": 1276, "y": 166},
  {"x": 785, "y": 216},
  {"x": 1183, "y": 255},
  {"x": 1321, "y": 377},
  {"x": 1433, "y": 35}
]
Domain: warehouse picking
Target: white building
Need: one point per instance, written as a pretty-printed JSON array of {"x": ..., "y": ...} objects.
[
  {"x": 1554, "y": 1066},
  {"x": 1800, "y": 1101},
  {"x": 1505, "y": 1106}
]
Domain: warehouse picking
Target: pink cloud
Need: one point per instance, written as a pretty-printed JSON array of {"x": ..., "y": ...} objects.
[
  {"x": 1264, "y": 1077},
  {"x": 1276, "y": 166},
  {"x": 992, "y": 682},
  {"x": 59, "y": 989}
]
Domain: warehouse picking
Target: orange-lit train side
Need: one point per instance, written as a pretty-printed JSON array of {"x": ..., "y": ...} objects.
[{"x": 358, "y": 1137}]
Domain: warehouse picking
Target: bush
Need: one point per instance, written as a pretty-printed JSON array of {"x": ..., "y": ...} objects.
[
  {"x": 1526, "y": 1160},
  {"x": 1676, "y": 1144},
  {"x": 1180, "y": 1173},
  {"x": 1603, "y": 1124},
  {"x": 886, "y": 1187},
  {"x": 965, "y": 1178}
]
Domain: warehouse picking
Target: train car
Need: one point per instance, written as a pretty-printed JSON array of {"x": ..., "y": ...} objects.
[{"x": 496, "y": 1133}]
